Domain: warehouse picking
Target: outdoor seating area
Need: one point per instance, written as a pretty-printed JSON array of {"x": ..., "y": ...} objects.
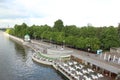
[{"x": 79, "y": 71}]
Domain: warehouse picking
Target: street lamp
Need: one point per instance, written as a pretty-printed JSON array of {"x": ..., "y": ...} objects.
[
  {"x": 88, "y": 48},
  {"x": 41, "y": 38},
  {"x": 50, "y": 40},
  {"x": 34, "y": 35},
  {"x": 63, "y": 43}
]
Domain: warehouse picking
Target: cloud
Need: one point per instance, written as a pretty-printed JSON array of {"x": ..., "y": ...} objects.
[
  {"x": 1, "y": 1},
  {"x": 77, "y": 12}
]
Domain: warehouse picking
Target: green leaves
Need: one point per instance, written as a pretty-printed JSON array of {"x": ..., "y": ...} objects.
[
  {"x": 58, "y": 25},
  {"x": 110, "y": 37},
  {"x": 10, "y": 31},
  {"x": 71, "y": 35}
]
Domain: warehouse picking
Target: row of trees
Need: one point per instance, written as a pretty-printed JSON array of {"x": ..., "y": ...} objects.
[{"x": 78, "y": 37}]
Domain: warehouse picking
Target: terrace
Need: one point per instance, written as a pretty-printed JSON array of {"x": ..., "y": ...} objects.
[{"x": 78, "y": 71}]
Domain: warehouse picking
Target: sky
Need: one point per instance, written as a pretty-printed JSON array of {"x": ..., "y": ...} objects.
[{"x": 71, "y": 12}]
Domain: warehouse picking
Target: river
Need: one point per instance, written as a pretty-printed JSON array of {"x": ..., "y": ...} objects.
[{"x": 16, "y": 63}]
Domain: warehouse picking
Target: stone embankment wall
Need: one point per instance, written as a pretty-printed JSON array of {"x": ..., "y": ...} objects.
[{"x": 16, "y": 39}]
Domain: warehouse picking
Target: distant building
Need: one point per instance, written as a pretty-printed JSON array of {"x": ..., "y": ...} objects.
[
  {"x": 27, "y": 38},
  {"x": 115, "y": 50}
]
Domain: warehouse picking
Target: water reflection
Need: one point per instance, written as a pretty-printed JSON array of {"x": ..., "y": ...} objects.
[
  {"x": 21, "y": 52},
  {"x": 16, "y": 63}
]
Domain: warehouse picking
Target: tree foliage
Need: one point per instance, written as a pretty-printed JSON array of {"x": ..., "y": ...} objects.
[
  {"x": 119, "y": 31},
  {"x": 58, "y": 25},
  {"x": 71, "y": 35}
]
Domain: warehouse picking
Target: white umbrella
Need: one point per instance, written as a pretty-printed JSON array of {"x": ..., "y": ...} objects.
[
  {"x": 114, "y": 58},
  {"x": 104, "y": 56}
]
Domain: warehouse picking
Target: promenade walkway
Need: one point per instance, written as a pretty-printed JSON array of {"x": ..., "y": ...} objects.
[
  {"x": 96, "y": 60},
  {"x": 92, "y": 58},
  {"x": 88, "y": 57}
]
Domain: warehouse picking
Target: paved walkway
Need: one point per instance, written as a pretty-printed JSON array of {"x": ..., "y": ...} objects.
[
  {"x": 95, "y": 59},
  {"x": 92, "y": 58}
]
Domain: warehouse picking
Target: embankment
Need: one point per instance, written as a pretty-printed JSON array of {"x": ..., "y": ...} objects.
[{"x": 16, "y": 39}]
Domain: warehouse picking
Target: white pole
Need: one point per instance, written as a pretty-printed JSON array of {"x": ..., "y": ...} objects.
[
  {"x": 109, "y": 57},
  {"x": 114, "y": 58}
]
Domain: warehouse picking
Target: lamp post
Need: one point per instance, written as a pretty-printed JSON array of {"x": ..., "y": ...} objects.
[
  {"x": 88, "y": 48},
  {"x": 34, "y": 35},
  {"x": 63, "y": 43},
  {"x": 51, "y": 41},
  {"x": 41, "y": 38}
]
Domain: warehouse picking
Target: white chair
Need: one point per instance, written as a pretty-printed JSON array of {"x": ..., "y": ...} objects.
[
  {"x": 80, "y": 73},
  {"x": 70, "y": 63},
  {"x": 75, "y": 62},
  {"x": 94, "y": 77},
  {"x": 90, "y": 70},
  {"x": 84, "y": 71},
  {"x": 81, "y": 66},
  {"x": 86, "y": 78},
  {"x": 100, "y": 75},
  {"x": 64, "y": 64}
]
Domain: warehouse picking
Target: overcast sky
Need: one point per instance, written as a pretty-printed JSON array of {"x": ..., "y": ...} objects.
[{"x": 72, "y": 12}]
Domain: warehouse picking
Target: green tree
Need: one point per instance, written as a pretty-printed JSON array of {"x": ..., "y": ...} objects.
[
  {"x": 10, "y": 31},
  {"x": 71, "y": 41},
  {"x": 110, "y": 37},
  {"x": 71, "y": 30},
  {"x": 81, "y": 43},
  {"x": 20, "y": 30},
  {"x": 78, "y": 37},
  {"x": 88, "y": 32},
  {"x": 60, "y": 37},
  {"x": 119, "y": 31},
  {"x": 58, "y": 25}
]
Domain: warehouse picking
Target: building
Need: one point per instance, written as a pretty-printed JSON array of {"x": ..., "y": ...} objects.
[
  {"x": 115, "y": 50},
  {"x": 27, "y": 38}
]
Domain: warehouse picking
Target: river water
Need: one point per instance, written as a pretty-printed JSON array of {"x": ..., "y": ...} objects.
[{"x": 16, "y": 63}]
